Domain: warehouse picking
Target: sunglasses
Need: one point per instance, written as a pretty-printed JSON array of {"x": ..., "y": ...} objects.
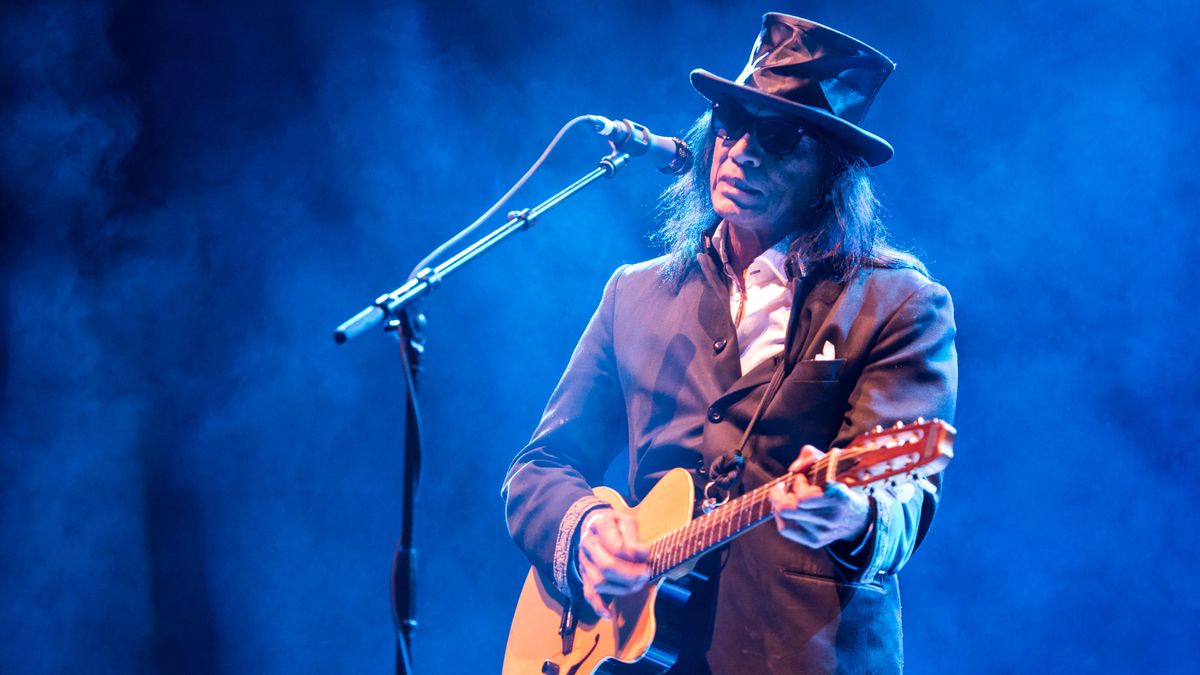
[{"x": 776, "y": 135}]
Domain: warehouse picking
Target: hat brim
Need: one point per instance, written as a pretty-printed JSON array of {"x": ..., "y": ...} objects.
[{"x": 845, "y": 137}]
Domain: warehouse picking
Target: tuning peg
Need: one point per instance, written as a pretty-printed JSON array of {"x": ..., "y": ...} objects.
[
  {"x": 920, "y": 420},
  {"x": 878, "y": 428},
  {"x": 923, "y": 483},
  {"x": 898, "y": 425}
]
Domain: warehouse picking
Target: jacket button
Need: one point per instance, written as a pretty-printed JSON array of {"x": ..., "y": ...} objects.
[
  {"x": 714, "y": 414},
  {"x": 719, "y": 345}
]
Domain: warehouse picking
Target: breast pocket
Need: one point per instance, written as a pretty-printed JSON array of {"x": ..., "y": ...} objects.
[
  {"x": 808, "y": 408},
  {"x": 825, "y": 370},
  {"x": 811, "y": 386}
]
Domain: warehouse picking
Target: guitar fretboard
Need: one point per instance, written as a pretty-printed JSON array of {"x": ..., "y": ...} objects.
[
  {"x": 713, "y": 529},
  {"x": 893, "y": 455}
]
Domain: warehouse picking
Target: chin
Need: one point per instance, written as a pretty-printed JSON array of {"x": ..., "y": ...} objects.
[
  {"x": 737, "y": 214},
  {"x": 727, "y": 208}
]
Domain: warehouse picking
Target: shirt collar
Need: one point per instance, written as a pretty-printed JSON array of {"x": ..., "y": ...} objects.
[{"x": 774, "y": 259}]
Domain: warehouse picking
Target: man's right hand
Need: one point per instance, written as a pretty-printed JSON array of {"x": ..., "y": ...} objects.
[{"x": 613, "y": 559}]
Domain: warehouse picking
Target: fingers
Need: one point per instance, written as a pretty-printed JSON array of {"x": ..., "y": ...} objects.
[
  {"x": 595, "y": 601},
  {"x": 613, "y": 559},
  {"x": 612, "y": 574},
  {"x": 617, "y": 533},
  {"x": 808, "y": 501},
  {"x": 817, "y": 517},
  {"x": 813, "y": 534},
  {"x": 782, "y": 501},
  {"x": 808, "y": 455},
  {"x": 838, "y": 492},
  {"x": 795, "y": 518},
  {"x": 632, "y": 544}
]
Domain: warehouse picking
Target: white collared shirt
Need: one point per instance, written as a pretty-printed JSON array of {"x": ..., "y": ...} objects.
[{"x": 759, "y": 301}]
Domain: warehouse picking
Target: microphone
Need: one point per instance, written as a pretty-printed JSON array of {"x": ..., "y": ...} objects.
[{"x": 670, "y": 155}]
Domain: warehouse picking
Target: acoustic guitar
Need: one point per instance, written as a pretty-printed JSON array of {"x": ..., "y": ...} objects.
[{"x": 549, "y": 636}]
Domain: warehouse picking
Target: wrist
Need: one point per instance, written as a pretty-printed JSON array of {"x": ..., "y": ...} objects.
[
  {"x": 585, "y": 522},
  {"x": 853, "y": 551},
  {"x": 860, "y": 531},
  {"x": 591, "y": 517}
]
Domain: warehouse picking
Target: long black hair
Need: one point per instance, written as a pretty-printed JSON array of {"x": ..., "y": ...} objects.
[{"x": 844, "y": 233}]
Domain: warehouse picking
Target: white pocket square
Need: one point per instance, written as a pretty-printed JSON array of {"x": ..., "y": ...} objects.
[{"x": 827, "y": 353}]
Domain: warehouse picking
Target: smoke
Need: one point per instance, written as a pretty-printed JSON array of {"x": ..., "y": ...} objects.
[
  {"x": 195, "y": 193},
  {"x": 72, "y": 540}
]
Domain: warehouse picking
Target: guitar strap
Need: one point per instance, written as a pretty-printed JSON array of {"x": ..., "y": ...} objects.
[{"x": 726, "y": 470}]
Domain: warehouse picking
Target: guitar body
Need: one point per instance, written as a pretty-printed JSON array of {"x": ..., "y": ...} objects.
[{"x": 535, "y": 641}]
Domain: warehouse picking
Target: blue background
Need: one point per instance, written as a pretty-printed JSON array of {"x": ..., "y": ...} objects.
[{"x": 196, "y": 479}]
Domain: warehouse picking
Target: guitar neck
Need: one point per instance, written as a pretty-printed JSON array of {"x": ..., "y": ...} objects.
[
  {"x": 733, "y": 519},
  {"x": 712, "y": 529},
  {"x": 899, "y": 456}
]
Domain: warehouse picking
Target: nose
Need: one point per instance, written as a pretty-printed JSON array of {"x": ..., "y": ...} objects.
[{"x": 745, "y": 151}]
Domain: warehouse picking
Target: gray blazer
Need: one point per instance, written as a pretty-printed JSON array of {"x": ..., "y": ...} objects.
[{"x": 657, "y": 373}]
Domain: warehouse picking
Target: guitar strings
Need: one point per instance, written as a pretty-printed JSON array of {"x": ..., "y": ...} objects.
[{"x": 714, "y": 528}]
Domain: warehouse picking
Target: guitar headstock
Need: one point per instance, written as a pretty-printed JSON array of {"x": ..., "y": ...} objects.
[{"x": 904, "y": 454}]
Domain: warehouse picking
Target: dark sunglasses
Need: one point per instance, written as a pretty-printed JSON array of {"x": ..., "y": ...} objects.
[{"x": 776, "y": 135}]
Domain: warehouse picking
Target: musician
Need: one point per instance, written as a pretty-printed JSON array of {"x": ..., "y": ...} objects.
[{"x": 776, "y": 263}]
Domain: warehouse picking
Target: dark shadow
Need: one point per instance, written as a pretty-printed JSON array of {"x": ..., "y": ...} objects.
[{"x": 183, "y": 638}]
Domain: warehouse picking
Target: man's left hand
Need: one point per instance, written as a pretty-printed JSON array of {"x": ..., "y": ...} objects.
[{"x": 814, "y": 516}]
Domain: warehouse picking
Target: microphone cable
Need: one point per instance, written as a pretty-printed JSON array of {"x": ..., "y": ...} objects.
[{"x": 440, "y": 250}]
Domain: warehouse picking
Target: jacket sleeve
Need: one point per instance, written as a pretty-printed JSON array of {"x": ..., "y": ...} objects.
[
  {"x": 911, "y": 372},
  {"x": 548, "y": 487}
]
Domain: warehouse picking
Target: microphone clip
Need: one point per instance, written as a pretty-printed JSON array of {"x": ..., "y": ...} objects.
[{"x": 670, "y": 155}]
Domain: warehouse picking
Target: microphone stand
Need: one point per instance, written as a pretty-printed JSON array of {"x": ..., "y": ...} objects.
[
  {"x": 391, "y": 311},
  {"x": 411, "y": 331},
  {"x": 425, "y": 280}
]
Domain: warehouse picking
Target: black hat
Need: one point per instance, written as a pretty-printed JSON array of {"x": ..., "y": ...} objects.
[{"x": 824, "y": 78}]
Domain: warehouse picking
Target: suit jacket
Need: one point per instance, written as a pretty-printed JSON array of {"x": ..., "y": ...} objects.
[{"x": 657, "y": 373}]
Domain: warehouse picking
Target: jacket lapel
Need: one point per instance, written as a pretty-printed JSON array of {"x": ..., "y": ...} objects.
[
  {"x": 758, "y": 376},
  {"x": 717, "y": 324}
]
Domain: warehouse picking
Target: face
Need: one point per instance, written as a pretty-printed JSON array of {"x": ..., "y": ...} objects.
[{"x": 755, "y": 190}]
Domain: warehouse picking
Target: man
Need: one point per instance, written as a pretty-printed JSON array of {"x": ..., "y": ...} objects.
[{"x": 776, "y": 267}]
